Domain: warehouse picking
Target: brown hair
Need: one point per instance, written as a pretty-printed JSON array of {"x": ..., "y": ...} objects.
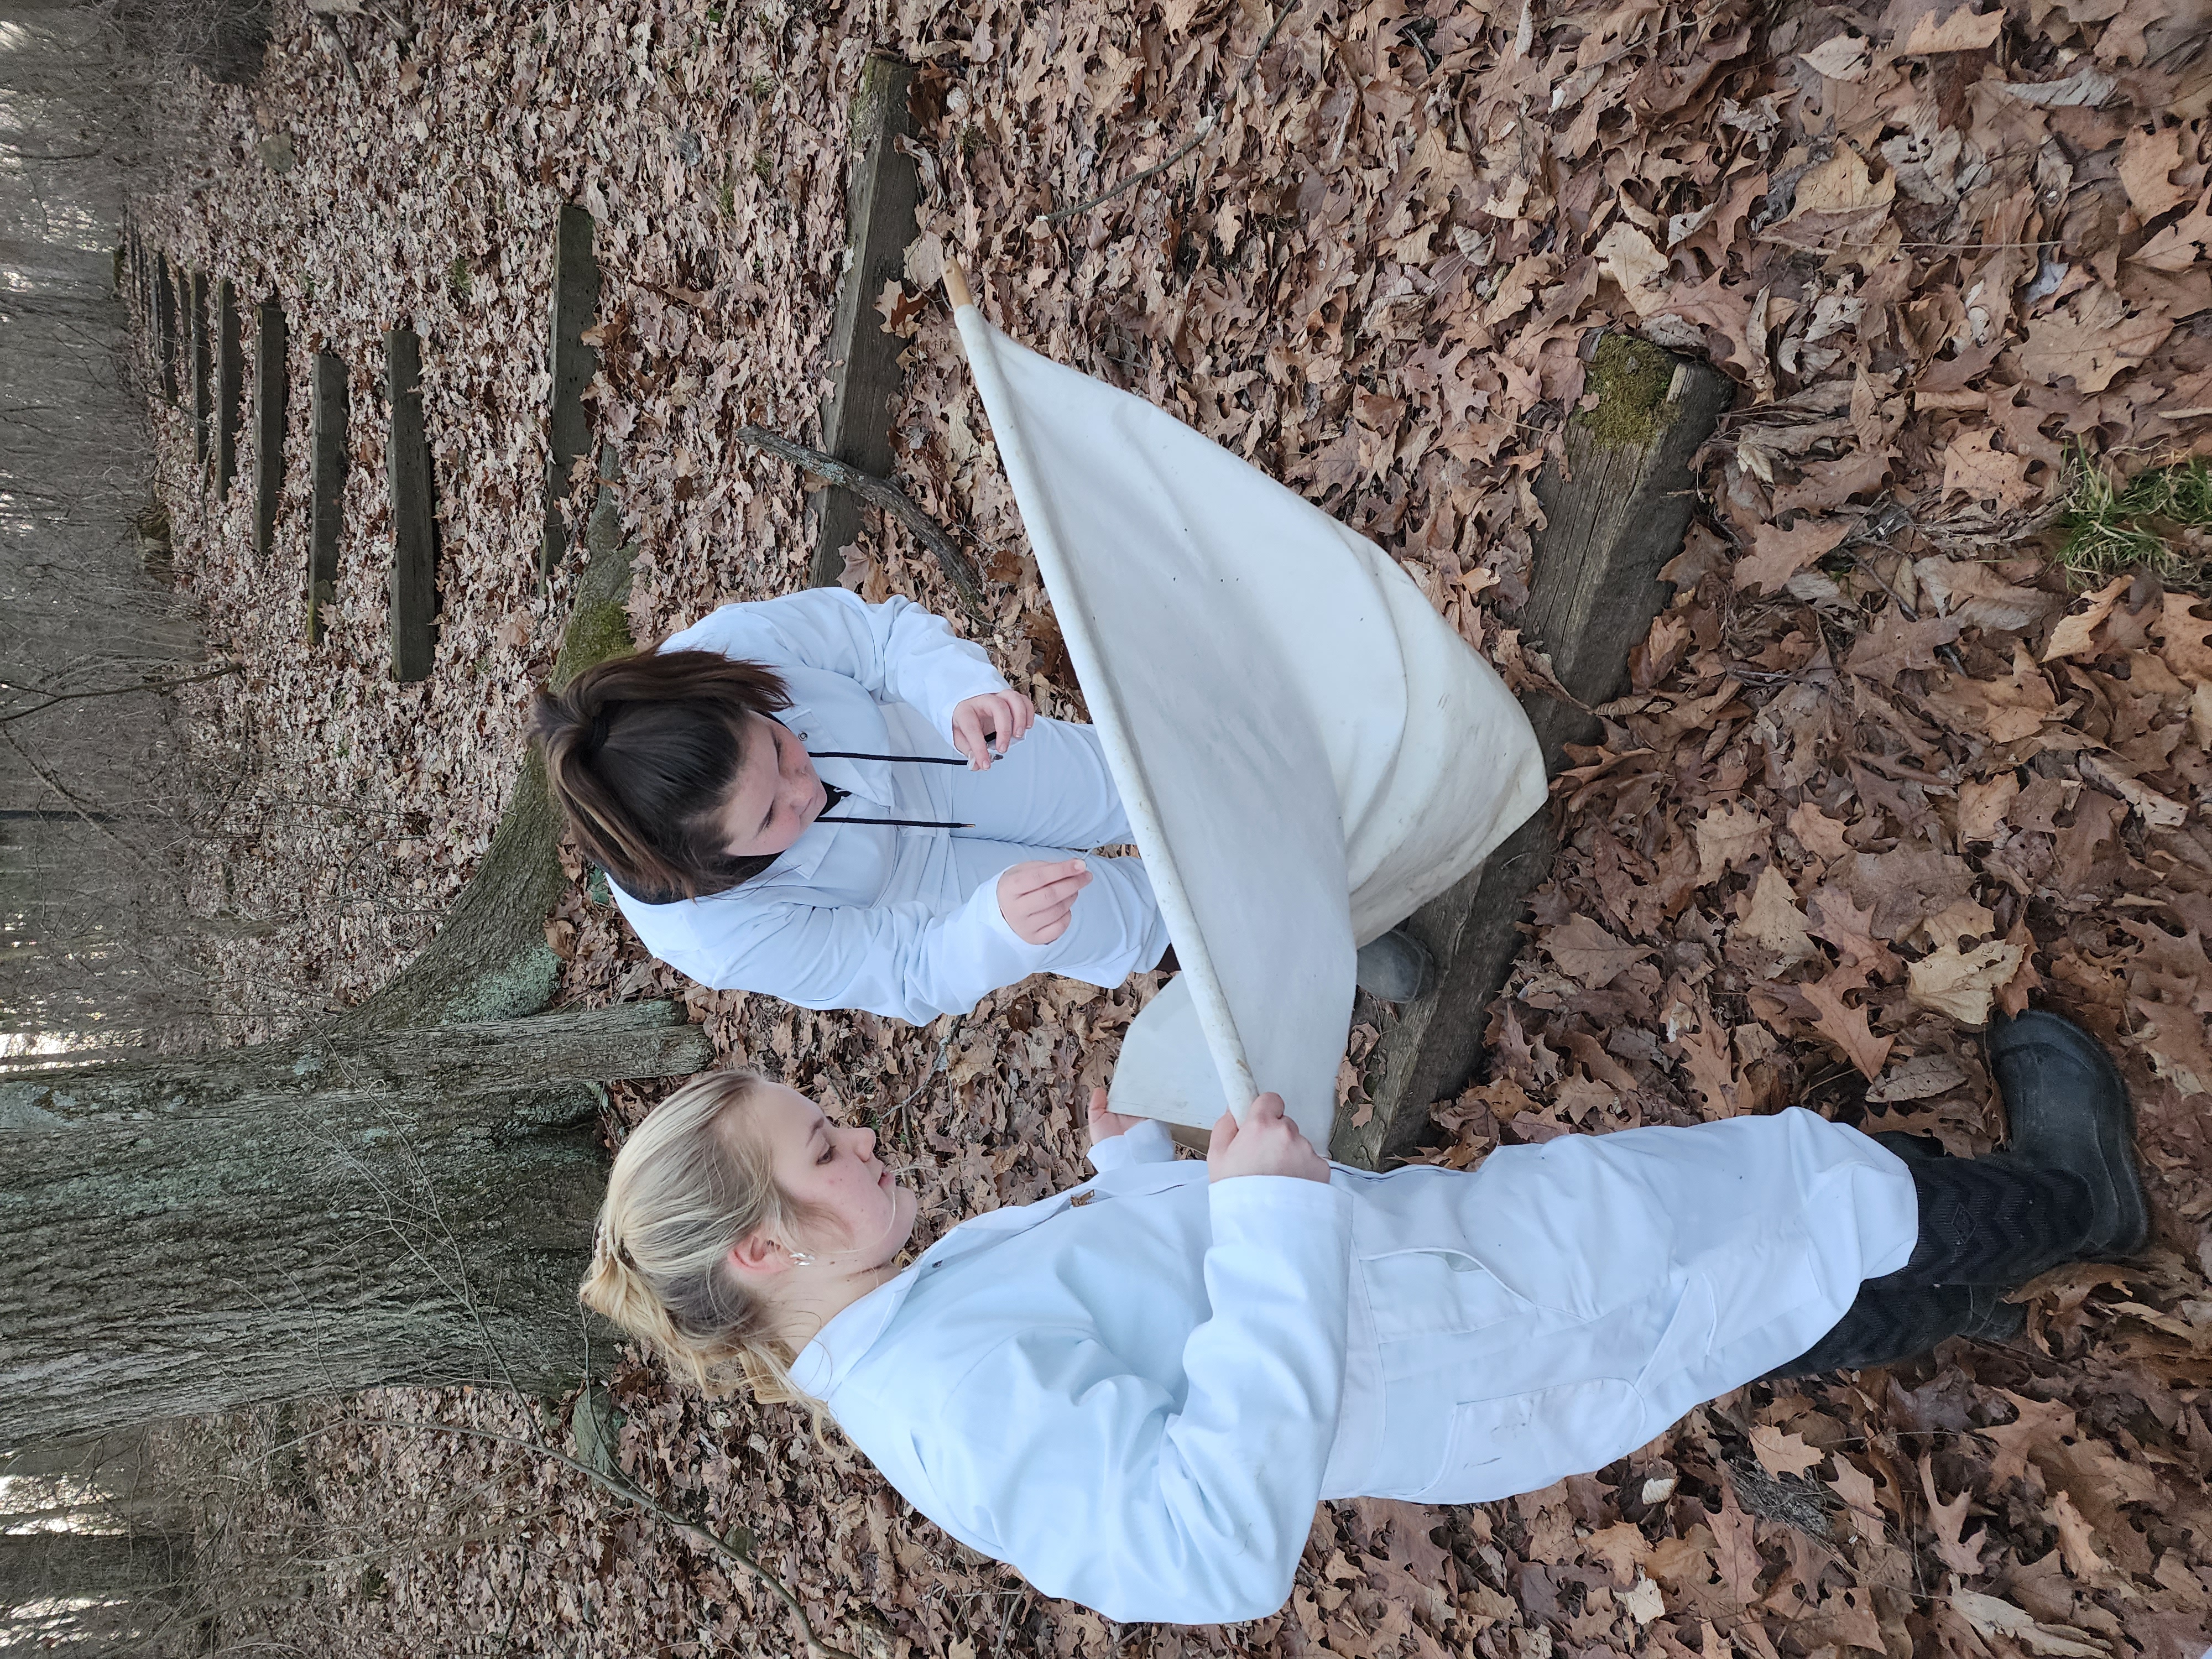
[
  {"x": 641, "y": 751},
  {"x": 688, "y": 1187}
]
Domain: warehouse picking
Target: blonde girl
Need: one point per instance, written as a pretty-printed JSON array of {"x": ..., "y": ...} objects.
[{"x": 1136, "y": 1391}]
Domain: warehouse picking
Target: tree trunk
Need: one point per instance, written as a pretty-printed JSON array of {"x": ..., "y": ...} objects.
[
  {"x": 68, "y": 1566},
  {"x": 352, "y": 1210}
]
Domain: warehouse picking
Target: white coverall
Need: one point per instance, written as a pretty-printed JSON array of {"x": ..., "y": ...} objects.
[
  {"x": 902, "y": 922},
  {"x": 1135, "y": 1392}
]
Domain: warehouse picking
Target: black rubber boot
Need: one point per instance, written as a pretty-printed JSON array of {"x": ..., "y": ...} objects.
[
  {"x": 2067, "y": 1107},
  {"x": 1397, "y": 967},
  {"x": 2064, "y": 1188},
  {"x": 1889, "y": 1320}
]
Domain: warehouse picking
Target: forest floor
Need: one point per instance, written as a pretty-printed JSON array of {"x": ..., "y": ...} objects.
[{"x": 1883, "y": 768}]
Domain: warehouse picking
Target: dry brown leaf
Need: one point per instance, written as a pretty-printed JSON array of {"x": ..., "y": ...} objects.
[
  {"x": 2147, "y": 160},
  {"x": 1962, "y": 30},
  {"x": 1982, "y": 807},
  {"x": 1991, "y": 1617},
  {"x": 2076, "y": 635},
  {"x": 1947, "y": 1522},
  {"x": 1729, "y": 837},
  {"x": 1589, "y": 954},
  {"x": 1847, "y": 1028},
  {"x": 1777, "y": 554},
  {"x": 1921, "y": 1078},
  {"x": 2095, "y": 342},
  {"x": 1771, "y": 916},
  {"x": 1781, "y": 1452},
  {"x": 1962, "y": 985}
]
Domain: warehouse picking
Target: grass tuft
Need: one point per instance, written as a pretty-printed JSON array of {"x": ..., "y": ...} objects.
[{"x": 2159, "y": 522}]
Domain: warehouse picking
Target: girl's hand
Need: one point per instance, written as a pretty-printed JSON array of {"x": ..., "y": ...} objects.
[
  {"x": 1105, "y": 1125},
  {"x": 1037, "y": 898},
  {"x": 1002, "y": 716},
  {"x": 1266, "y": 1144}
]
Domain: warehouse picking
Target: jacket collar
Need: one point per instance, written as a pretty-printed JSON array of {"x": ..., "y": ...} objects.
[{"x": 823, "y": 1364}]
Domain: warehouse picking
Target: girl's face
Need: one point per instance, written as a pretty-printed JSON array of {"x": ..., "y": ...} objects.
[
  {"x": 776, "y": 794},
  {"x": 857, "y": 1217}
]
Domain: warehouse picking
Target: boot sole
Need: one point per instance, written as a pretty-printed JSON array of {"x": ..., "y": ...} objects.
[{"x": 2124, "y": 1212}]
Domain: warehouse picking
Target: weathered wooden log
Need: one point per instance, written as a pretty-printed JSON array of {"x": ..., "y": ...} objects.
[
  {"x": 1614, "y": 517},
  {"x": 572, "y": 363},
  {"x": 203, "y": 371},
  {"x": 414, "y": 607},
  {"x": 229, "y": 389},
  {"x": 327, "y": 460},
  {"x": 271, "y": 392},
  {"x": 490, "y": 960},
  {"x": 881, "y": 190},
  {"x": 164, "y": 327}
]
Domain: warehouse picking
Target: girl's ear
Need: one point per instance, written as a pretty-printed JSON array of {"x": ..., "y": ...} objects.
[{"x": 758, "y": 1254}]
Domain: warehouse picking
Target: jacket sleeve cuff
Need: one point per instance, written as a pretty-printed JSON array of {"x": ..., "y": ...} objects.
[
  {"x": 1148, "y": 1142},
  {"x": 953, "y": 688},
  {"x": 1262, "y": 1209}
]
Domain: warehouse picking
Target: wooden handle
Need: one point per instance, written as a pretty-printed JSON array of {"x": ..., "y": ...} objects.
[{"x": 956, "y": 286}]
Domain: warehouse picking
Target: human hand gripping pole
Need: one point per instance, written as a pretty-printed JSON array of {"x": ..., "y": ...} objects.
[{"x": 1266, "y": 1144}]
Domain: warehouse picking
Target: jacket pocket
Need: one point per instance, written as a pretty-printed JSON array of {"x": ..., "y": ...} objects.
[
  {"x": 1422, "y": 1293},
  {"x": 1522, "y": 1442}
]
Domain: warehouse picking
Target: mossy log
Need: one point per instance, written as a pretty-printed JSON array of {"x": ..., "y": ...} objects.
[{"x": 1614, "y": 515}]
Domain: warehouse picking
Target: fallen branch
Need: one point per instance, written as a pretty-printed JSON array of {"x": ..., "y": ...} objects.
[
  {"x": 876, "y": 492},
  {"x": 1205, "y": 128},
  {"x": 159, "y": 687},
  {"x": 690, "y": 1527}
]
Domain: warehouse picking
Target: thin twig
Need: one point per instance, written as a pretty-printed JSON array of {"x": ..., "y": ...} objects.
[
  {"x": 84, "y": 811},
  {"x": 878, "y": 492},
  {"x": 696, "y": 1531},
  {"x": 1205, "y": 128},
  {"x": 160, "y": 687}
]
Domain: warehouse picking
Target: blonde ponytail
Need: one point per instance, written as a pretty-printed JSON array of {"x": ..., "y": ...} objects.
[{"x": 686, "y": 1187}]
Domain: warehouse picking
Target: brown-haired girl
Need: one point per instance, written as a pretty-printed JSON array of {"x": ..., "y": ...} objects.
[
  {"x": 799, "y": 796},
  {"x": 1135, "y": 1392}
]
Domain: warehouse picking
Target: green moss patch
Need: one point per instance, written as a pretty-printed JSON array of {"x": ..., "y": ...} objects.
[
  {"x": 1631, "y": 378},
  {"x": 2157, "y": 521},
  {"x": 596, "y": 633}
]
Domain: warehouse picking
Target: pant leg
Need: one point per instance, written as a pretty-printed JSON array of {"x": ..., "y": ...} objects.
[
  {"x": 1052, "y": 790},
  {"x": 1600, "y": 1286},
  {"x": 1115, "y": 928}
]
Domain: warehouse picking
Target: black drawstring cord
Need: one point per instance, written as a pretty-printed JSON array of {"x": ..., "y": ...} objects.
[
  {"x": 919, "y": 760},
  {"x": 834, "y": 795}
]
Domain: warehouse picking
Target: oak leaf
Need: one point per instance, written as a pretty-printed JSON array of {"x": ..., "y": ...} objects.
[
  {"x": 1770, "y": 916},
  {"x": 2146, "y": 161},
  {"x": 1891, "y": 645},
  {"x": 1781, "y": 1452},
  {"x": 1777, "y": 554},
  {"x": 1948, "y": 1521},
  {"x": 1589, "y": 954},
  {"x": 1962, "y": 985},
  {"x": 1963, "y": 30},
  {"x": 2076, "y": 633},
  {"x": 1982, "y": 807},
  {"x": 2094, "y": 342},
  {"x": 1729, "y": 836},
  {"x": 1847, "y": 1027},
  {"x": 1735, "y": 1549}
]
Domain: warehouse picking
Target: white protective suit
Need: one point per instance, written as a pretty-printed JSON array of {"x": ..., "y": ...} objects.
[
  {"x": 904, "y": 921},
  {"x": 1135, "y": 1392}
]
